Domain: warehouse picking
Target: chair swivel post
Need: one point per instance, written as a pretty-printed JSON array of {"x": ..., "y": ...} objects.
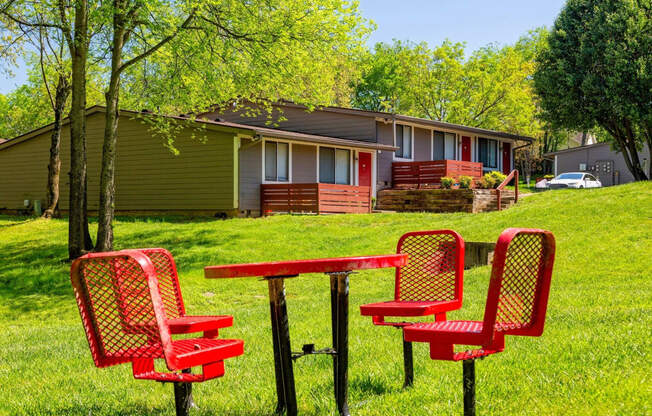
[{"x": 468, "y": 380}]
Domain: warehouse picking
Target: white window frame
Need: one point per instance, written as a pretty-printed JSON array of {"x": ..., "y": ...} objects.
[
  {"x": 352, "y": 164},
  {"x": 265, "y": 140},
  {"x": 498, "y": 154},
  {"x": 404, "y": 159}
]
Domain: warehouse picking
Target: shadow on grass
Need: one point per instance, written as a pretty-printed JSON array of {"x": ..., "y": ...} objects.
[
  {"x": 20, "y": 220},
  {"x": 138, "y": 409}
]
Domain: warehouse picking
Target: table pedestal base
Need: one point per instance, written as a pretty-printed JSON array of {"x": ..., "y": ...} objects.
[
  {"x": 285, "y": 391},
  {"x": 285, "y": 388}
]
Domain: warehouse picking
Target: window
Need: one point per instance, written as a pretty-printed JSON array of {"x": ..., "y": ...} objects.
[
  {"x": 443, "y": 146},
  {"x": 449, "y": 146},
  {"x": 438, "y": 146},
  {"x": 488, "y": 153},
  {"x": 403, "y": 141},
  {"x": 277, "y": 157},
  {"x": 334, "y": 166}
]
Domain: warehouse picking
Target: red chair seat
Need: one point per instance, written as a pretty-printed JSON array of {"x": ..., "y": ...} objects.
[
  {"x": 192, "y": 352},
  {"x": 407, "y": 308},
  {"x": 198, "y": 323},
  {"x": 459, "y": 332}
]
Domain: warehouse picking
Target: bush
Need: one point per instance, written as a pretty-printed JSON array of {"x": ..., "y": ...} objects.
[
  {"x": 492, "y": 179},
  {"x": 447, "y": 182},
  {"x": 465, "y": 182},
  {"x": 548, "y": 177},
  {"x": 483, "y": 183}
]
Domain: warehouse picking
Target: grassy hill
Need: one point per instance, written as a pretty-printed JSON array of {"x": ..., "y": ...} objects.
[{"x": 594, "y": 357}]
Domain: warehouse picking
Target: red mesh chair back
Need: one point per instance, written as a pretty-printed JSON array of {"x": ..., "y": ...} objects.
[
  {"x": 435, "y": 266},
  {"x": 116, "y": 295},
  {"x": 168, "y": 281},
  {"x": 520, "y": 282}
]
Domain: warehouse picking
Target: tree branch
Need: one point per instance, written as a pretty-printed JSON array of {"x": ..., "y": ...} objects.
[{"x": 158, "y": 46}]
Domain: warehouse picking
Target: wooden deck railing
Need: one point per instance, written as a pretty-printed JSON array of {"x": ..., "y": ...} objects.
[
  {"x": 315, "y": 198},
  {"x": 428, "y": 174},
  {"x": 512, "y": 175}
]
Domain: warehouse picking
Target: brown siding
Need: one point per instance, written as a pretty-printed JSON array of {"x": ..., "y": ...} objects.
[
  {"x": 148, "y": 176},
  {"x": 422, "y": 145},
  {"x": 250, "y": 176},
  {"x": 345, "y": 126},
  {"x": 23, "y": 172},
  {"x": 304, "y": 169}
]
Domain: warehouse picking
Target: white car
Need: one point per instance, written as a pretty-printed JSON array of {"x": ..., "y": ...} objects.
[{"x": 577, "y": 180}]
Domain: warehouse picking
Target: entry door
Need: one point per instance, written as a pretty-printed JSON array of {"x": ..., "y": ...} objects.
[
  {"x": 364, "y": 169},
  {"x": 466, "y": 148},
  {"x": 507, "y": 158}
]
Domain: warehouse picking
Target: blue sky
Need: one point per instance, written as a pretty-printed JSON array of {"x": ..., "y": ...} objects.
[{"x": 476, "y": 22}]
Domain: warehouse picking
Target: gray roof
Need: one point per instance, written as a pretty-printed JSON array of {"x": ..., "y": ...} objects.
[{"x": 244, "y": 128}]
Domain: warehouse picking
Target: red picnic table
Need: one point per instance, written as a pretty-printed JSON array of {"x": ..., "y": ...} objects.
[{"x": 339, "y": 270}]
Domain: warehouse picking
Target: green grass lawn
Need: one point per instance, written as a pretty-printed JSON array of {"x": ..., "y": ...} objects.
[{"x": 593, "y": 359}]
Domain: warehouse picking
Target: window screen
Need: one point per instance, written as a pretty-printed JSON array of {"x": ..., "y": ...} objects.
[
  {"x": 334, "y": 166},
  {"x": 277, "y": 160},
  {"x": 404, "y": 141}
]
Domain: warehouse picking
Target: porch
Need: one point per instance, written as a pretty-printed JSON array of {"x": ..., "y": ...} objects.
[
  {"x": 428, "y": 174},
  {"x": 314, "y": 198}
]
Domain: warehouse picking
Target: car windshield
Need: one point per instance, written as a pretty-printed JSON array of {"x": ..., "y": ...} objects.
[{"x": 569, "y": 176}]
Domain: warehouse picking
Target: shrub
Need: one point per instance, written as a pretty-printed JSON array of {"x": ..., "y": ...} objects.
[
  {"x": 499, "y": 176},
  {"x": 465, "y": 182},
  {"x": 483, "y": 183},
  {"x": 447, "y": 182},
  {"x": 493, "y": 179},
  {"x": 548, "y": 177}
]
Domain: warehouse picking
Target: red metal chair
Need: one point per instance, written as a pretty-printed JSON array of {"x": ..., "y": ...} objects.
[
  {"x": 175, "y": 311},
  {"x": 430, "y": 284},
  {"x": 126, "y": 310},
  {"x": 516, "y": 305}
]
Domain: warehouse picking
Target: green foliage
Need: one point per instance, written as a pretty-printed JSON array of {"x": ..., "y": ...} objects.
[
  {"x": 591, "y": 359},
  {"x": 465, "y": 182},
  {"x": 447, "y": 182},
  {"x": 491, "y": 180},
  {"x": 28, "y": 107},
  {"x": 491, "y": 88},
  {"x": 300, "y": 50},
  {"x": 596, "y": 71}
]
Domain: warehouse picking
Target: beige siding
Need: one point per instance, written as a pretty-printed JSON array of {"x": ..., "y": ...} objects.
[
  {"x": 250, "y": 175},
  {"x": 148, "y": 176},
  {"x": 304, "y": 167},
  {"x": 345, "y": 126},
  {"x": 422, "y": 150}
]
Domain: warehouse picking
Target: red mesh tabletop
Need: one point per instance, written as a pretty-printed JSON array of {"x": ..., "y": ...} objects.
[{"x": 296, "y": 267}]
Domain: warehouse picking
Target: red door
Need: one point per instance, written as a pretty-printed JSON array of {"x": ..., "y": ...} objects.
[
  {"x": 507, "y": 158},
  {"x": 466, "y": 148},
  {"x": 364, "y": 169}
]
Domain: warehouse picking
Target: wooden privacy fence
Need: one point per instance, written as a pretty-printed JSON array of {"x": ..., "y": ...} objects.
[
  {"x": 314, "y": 198},
  {"x": 428, "y": 174}
]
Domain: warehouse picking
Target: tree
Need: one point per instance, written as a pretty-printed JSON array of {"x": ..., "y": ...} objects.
[
  {"x": 185, "y": 56},
  {"x": 51, "y": 63},
  {"x": 71, "y": 20},
  {"x": 490, "y": 89},
  {"x": 596, "y": 72}
]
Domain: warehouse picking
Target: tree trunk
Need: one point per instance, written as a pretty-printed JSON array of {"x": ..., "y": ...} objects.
[
  {"x": 107, "y": 177},
  {"x": 630, "y": 141},
  {"x": 54, "y": 165},
  {"x": 79, "y": 239},
  {"x": 583, "y": 143}
]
